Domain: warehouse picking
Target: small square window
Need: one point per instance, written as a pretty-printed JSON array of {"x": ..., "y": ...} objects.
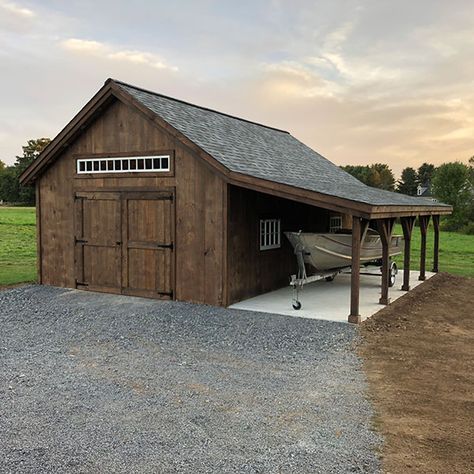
[
  {"x": 82, "y": 166},
  {"x": 165, "y": 163},
  {"x": 270, "y": 234},
  {"x": 125, "y": 165},
  {"x": 335, "y": 223},
  {"x": 148, "y": 164}
]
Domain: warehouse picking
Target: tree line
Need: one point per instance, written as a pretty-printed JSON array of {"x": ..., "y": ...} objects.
[
  {"x": 11, "y": 191},
  {"x": 451, "y": 183}
]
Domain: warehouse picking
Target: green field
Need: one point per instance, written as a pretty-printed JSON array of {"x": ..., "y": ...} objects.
[
  {"x": 456, "y": 251},
  {"x": 17, "y": 245},
  {"x": 18, "y": 248}
]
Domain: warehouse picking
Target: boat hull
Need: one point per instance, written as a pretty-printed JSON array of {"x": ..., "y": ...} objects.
[{"x": 330, "y": 251}]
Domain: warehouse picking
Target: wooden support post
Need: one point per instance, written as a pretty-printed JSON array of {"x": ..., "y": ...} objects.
[
  {"x": 424, "y": 221},
  {"x": 354, "y": 316},
  {"x": 436, "y": 243},
  {"x": 407, "y": 226},
  {"x": 385, "y": 227}
]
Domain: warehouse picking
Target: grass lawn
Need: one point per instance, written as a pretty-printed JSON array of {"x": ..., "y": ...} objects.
[
  {"x": 456, "y": 251},
  {"x": 18, "y": 248},
  {"x": 17, "y": 245}
]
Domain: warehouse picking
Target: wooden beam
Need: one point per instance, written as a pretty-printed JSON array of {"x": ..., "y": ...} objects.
[
  {"x": 39, "y": 258},
  {"x": 407, "y": 226},
  {"x": 354, "y": 316},
  {"x": 436, "y": 243},
  {"x": 424, "y": 221},
  {"x": 385, "y": 227}
]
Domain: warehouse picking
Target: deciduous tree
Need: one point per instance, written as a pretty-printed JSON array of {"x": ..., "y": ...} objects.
[
  {"x": 10, "y": 188},
  {"x": 378, "y": 175},
  {"x": 451, "y": 185}
]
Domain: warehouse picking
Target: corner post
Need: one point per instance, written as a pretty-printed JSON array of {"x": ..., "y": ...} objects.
[
  {"x": 385, "y": 227},
  {"x": 436, "y": 243},
  {"x": 407, "y": 226},
  {"x": 354, "y": 316},
  {"x": 424, "y": 221}
]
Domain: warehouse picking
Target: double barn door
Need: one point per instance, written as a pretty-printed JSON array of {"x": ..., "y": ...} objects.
[{"x": 124, "y": 242}]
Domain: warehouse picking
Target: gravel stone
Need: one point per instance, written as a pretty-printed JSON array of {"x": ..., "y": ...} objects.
[{"x": 94, "y": 382}]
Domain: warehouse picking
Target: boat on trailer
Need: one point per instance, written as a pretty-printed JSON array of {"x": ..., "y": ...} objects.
[{"x": 328, "y": 254}]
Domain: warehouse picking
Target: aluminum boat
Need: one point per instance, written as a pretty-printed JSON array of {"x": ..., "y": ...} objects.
[{"x": 328, "y": 251}]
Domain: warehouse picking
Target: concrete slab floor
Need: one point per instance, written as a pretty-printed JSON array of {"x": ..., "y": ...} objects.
[{"x": 329, "y": 300}]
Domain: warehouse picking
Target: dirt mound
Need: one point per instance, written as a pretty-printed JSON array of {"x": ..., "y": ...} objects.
[{"x": 419, "y": 360}]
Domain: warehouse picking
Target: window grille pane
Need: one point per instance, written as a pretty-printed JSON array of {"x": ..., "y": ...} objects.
[
  {"x": 269, "y": 234},
  {"x": 129, "y": 164}
]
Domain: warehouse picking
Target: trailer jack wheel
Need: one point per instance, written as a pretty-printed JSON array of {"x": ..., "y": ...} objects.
[{"x": 297, "y": 305}]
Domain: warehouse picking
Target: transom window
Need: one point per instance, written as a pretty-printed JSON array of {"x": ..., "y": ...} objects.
[
  {"x": 335, "y": 223},
  {"x": 127, "y": 164},
  {"x": 269, "y": 234}
]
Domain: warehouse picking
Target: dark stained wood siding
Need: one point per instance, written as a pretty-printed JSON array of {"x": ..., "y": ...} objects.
[
  {"x": 199, "y": 247},
  {"x": 252, "y": 271}
]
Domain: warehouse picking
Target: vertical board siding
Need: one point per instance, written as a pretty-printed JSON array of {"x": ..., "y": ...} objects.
[
  {"x": 252, "y": 271},
  {"x": 199, "y": 249}
]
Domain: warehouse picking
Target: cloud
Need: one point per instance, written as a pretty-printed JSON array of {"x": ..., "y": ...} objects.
[
  {"x": 16, "y": 10},
  {"x": 352, "y": 86},
  {"x": 98, "y": 49}
]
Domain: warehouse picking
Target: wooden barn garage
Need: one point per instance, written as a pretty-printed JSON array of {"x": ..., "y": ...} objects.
[{"x": 141, "y": 194}]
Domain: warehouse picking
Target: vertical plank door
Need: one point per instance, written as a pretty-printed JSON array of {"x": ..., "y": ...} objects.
[
  {"x": 148, "y": 253},
  {"x": 98, "y": 251}
]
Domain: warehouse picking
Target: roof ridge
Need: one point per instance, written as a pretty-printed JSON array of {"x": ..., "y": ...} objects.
[{"x": 195, "y": 105}]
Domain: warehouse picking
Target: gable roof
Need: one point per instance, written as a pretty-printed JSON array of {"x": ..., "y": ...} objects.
[{"x": 246, "y": 148}]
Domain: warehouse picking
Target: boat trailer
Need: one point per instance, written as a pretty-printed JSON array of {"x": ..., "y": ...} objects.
[{"x": 302, "y": 278}]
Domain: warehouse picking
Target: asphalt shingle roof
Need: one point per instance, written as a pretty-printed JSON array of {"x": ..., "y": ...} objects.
[{"x": 264, "y": 152}]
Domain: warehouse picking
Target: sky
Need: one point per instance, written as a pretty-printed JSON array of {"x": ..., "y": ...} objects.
[{"x": 360, "y": 81}]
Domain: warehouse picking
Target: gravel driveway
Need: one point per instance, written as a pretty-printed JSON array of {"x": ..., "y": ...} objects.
[{"x": 100, "y": 383}]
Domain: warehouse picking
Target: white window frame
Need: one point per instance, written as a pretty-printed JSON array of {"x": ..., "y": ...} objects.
[
  {"x": 155, "y": 163},
  {"x": 335, "y": 223},
  {"x": 270, "y": 234}
]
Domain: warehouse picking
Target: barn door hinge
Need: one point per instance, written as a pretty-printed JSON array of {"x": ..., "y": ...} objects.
[
  {"x": 166, "y": 293},
  {"x": 81, "y": 283},
  {"x": 165, "y": 246},
  {"x": 80, "y": 241}
]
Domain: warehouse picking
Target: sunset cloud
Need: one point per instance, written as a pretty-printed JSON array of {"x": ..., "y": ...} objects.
[
  {"x": 106, "y": 51},
  {"x": 13, "y": 8}
]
